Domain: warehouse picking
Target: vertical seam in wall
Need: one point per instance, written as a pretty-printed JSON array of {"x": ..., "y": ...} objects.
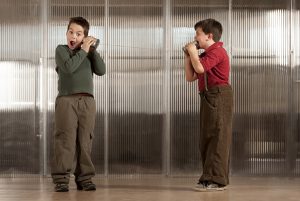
[
  {"x": 43, "y": 95},
  {"x": 230, "y": 42},
  {"x": 166, "y": 60},
  {"x": 106, "y": 113},
  {"x": 230, "y": 34}
]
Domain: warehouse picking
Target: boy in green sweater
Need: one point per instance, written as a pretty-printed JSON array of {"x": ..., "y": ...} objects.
[{"x": 75, "y": 107}]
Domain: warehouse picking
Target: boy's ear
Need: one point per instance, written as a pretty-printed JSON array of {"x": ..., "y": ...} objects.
[{"x": 210, "y": 36}]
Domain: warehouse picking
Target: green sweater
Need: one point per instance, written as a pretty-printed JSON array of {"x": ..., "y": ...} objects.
[{"x": 75, "y": 70}]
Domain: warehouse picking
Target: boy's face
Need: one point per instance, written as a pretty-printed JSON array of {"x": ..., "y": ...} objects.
[
  {"x": 75, "y": 35},
  {"x": 203, "y": 39}
]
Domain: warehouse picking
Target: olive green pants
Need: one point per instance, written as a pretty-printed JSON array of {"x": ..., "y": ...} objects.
[
  {"x": 216, "y": 133},
  {"x": 74, "y": 125}
]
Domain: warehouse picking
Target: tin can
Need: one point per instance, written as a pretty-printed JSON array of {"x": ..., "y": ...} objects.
[{"x": 195, "y": 43}]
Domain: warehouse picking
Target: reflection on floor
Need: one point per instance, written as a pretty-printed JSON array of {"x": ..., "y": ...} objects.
[{"x": 155, "y": 188}]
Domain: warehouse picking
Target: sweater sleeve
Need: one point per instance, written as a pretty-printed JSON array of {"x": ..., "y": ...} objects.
[
  {"x": 98, "y": 65},
  {"x": 66, "y": 62}
]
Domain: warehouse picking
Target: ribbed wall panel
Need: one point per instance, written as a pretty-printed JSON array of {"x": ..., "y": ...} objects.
[
  {"x": 185, "y": 100},
  {"x": 96, "y": 17},
  {"x": 261, "y": 83},
  {"x": 135, "y": 116},
  {"x": 19, "y": 142},
  {"x": 296, "y": 65},
  {"x": 147, "y": 114}
]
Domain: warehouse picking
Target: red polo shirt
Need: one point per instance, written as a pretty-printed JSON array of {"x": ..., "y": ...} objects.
[{"x": 216, "y": 65}]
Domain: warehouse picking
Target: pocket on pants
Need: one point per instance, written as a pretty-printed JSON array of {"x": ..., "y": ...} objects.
[
  {"x": 211, "y": 114},
  {"x": 90, "y": 142},
  {"x": 91, "y": 135}
]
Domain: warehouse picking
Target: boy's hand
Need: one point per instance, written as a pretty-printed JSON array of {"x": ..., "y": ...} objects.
[
  {"x": 87, "y": 42},
  {"x": 191, "y": 48},
  {"x": 186, "y": 55}
]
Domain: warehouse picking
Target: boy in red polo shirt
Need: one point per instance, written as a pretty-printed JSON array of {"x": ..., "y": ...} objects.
[{"x": 211, "y": 69}]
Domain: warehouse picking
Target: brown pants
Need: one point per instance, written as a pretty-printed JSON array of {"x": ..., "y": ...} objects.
[
  {"x": 216, "y": 133},
  {"x": 74, "y": 125}
]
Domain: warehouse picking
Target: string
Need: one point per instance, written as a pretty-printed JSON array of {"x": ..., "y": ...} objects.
[{"x": 123, "y": 46}]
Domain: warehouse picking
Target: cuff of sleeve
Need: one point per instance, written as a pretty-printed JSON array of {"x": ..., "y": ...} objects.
[
  {"x": 83, "y": 53},
  {"x": 93, "y": 54}
]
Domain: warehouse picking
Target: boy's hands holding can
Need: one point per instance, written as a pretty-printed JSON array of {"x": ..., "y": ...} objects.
[
  {"x": 87, "y": 43},
  {"x": 191, "y": 47}
]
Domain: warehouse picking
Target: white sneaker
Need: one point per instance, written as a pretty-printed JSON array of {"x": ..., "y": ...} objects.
[
  {"x": 200, "y": 187},
  {"x": 209, "y": 187},
  {"x": 214, "y": 187}
]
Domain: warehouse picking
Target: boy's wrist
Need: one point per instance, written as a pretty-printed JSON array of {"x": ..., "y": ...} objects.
[
  {"x": 85, "y": 50},
  {"x": 92, "y": 49}
]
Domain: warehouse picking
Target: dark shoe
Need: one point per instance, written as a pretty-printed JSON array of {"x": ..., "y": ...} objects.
[
  {"x": 86, "y": 186},
  {"x": 61, "y": 187}
]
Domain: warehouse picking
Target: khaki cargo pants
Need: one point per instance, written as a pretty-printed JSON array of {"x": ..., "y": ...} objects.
[
  {"x": 74, "y": 125},
  {"x": 216, "y": 133}
]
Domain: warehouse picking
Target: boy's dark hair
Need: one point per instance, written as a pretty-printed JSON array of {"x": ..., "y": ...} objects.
[
  {"x": 82, "y": 22},
  {"x": 210, "y": 26}
]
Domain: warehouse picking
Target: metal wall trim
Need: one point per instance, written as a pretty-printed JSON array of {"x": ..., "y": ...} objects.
[
  {"x": 166, "y": 58},
  {"x": 106, "y": 130},
  {"x": 43, "y": 95}
]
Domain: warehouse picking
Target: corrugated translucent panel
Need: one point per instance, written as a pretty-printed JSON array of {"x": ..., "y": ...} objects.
[
  {"x": 136, "y": 77},
  {"x": 265, "y": 4},
  {"x": 261, "y": 81},
  {"x": 98, "y": 27},
  {"x": 185, "y": 101},
  {"x": 147, "y": 114},
  {"x": 296, "y": 65},
  {"x": 59, "y": 14},
  {"x": 19, "y": 143}
]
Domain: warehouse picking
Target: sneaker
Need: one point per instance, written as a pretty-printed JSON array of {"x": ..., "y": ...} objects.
[
  {"x": 87, "y": 186},
  {"x": 211, "y": 186},
  {"x": 61, "y": 187},
  {"x": 200, "y": 187}
]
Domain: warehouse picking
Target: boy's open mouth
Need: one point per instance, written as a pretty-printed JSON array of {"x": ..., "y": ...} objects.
[{"x": 72, "y": 43}]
